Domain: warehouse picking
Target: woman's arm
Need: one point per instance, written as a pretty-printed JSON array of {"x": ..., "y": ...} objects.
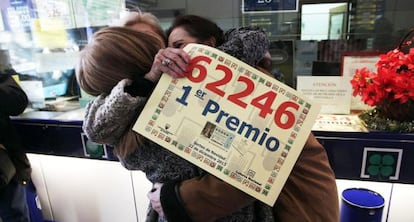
[
  {"x": 107, "y": 117},
  {"x": 205, "y": 198}
]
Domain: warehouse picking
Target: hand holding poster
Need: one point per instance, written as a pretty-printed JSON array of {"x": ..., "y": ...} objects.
[{"x": 231, "y": 120}]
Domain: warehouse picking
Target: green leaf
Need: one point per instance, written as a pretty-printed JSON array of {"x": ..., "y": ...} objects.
[
  {"x": 375, "y": 159},
  {"x": 373, "y": 170},
  {"x": 386, "y": 171},
  {"x": 387, "y": 159}
]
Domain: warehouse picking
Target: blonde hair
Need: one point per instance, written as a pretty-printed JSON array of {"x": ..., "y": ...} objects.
[
  {"x": 113, "y": 54},
  {"x": 131, "y": 18}
]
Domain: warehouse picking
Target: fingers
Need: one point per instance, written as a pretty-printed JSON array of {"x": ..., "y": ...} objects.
[
  {"x": 172, "y": 61},
  {"x": 178, "y": 57}
]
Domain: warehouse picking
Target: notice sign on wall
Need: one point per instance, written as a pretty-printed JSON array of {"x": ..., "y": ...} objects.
[
  {"x": 333, "y": 93},
  {"x": 269, "y": 6},
  {"x": 231, "y": 120}
]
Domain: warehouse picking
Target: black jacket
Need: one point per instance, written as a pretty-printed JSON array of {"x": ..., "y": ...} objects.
[{"x": 13, "y": 101}]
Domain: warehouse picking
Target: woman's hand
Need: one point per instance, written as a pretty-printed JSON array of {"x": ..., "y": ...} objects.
[
  {"x": 154, "y": 197},
  {"x": 171, "y": 61}
]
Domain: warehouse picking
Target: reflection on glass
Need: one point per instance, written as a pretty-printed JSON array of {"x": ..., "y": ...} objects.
[
  {"x": 323, "y": 21},
  {"x": 44, "y": 38}
]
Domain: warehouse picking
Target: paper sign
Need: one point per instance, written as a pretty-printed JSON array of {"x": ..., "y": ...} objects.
[
  {"x": 34, "y": 92},
  {"x": 339, "y": 123},
  {"x": 333, "y": 93},
  {"x": 231, "y": 120},
  {"x": 49, "y": 33},
  {"x": 352, "y": 62},
  {"x": 60, "y": 12}
]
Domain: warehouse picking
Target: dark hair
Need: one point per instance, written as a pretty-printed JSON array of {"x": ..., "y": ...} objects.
[{"x": 198, "y": 27}]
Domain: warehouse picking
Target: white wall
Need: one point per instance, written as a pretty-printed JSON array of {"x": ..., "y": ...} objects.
[{"x": 80, "y": 190}]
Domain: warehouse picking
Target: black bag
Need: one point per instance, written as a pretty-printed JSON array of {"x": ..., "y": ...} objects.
[{"x": 7, "y": 169}]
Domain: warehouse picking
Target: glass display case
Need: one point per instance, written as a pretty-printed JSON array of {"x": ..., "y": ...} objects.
[{"x": 45, "y": 36}]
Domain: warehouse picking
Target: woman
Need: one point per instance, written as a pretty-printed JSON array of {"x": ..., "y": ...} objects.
[
  {"x": 310, "y": 193},
  {"x": 248, "y": 44},
  {"x": 105, "y": 126}
]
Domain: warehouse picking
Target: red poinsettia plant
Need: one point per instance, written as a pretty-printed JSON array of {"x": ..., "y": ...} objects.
[{"x": 393, "y": 81}]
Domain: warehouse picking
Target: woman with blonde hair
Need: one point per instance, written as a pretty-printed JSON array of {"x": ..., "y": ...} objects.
[{"x": 116, "y": 46}]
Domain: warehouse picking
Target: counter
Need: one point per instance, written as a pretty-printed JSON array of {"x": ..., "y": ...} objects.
[
  {"x": 373, "y": 156},
  {"x": 60, "y": 134},
  {"x": 75, "y": 183}
]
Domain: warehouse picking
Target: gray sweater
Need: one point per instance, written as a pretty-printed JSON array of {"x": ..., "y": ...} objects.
[{"x": 106, "y": 120}]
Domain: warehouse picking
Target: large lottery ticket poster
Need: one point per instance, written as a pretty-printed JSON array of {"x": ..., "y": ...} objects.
[{"x": 231, "y": 120}]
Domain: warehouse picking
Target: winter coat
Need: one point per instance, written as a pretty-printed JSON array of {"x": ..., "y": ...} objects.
[{"x": 13, "y": 101}]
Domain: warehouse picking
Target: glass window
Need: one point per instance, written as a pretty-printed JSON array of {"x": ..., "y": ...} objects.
[{"x": 308, "y": 37}]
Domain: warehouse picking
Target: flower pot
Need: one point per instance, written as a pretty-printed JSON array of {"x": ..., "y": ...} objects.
[{"x": 396, "y": 111}]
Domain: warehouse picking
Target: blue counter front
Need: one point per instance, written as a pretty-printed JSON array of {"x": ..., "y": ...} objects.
[
  {"x": 372, "y": 156},
  {"x": 60, "y": 134}
]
